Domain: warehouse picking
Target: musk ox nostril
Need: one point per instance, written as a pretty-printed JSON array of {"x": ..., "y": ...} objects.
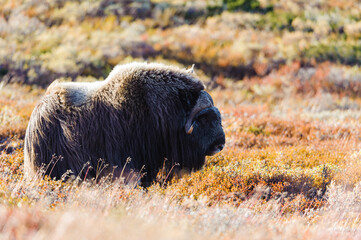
[
  {"x": 215, "y": 149},
  {"x": 220, "y": 147}
]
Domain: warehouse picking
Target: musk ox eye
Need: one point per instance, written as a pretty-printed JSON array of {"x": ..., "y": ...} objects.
[
  {"x": 203, "y": 118},
  {"x": 207, "y": 116}
]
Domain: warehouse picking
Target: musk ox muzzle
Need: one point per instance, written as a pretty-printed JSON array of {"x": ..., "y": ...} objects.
[{"x": 153, "y": 114}]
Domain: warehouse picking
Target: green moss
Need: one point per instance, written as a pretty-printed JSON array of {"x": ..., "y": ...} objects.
[
  {"x": 277, "y": 21},
  {"x": 257, "y": 130},
  {"x": 216, "y": 7},
  {"x": 245, "y": 5},
  {"x": 339, "y": 52}
]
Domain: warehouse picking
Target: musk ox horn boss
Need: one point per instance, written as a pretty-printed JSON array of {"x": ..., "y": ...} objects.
[{"x": 145, "y": 112}]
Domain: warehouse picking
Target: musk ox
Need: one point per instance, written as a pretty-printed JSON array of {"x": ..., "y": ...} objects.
[{"x": 156, "y": 115}]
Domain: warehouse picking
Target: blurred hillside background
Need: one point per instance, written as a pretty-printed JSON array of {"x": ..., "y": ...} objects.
[{"x": 42, "y": 40}]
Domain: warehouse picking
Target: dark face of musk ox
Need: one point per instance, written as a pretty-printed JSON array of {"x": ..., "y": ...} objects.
[
  {"x": 208, "y": 129},
  {"x": 204, "y": 125}
]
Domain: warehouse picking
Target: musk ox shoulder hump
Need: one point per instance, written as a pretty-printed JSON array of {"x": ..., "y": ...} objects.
[
  {"x": 153, "y": 74},
  {"x": 74, "y": 93}
]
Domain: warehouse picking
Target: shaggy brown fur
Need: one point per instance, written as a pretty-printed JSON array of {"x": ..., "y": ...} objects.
[{"x": 138, "y": 112}]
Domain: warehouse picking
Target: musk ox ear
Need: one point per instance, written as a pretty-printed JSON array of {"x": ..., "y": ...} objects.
[{"x": 204, "y": 101}]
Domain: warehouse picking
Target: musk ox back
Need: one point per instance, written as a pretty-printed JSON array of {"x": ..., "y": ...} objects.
[{"x": 144, "y": 112}]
